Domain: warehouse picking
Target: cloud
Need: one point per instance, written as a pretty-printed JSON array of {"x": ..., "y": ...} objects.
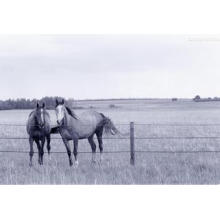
[{"x": 104, "y": 66}]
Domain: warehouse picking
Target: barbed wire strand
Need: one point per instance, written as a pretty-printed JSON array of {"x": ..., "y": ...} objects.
[
  {"x": 120, "y": 138},
  {"x": 125, "y": 151},
  {"x": 127, "y": 138},
  {"x": 126, "y": 124}
]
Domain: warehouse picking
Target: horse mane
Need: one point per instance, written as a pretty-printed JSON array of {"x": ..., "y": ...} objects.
[{"x": 71, "y": 113}]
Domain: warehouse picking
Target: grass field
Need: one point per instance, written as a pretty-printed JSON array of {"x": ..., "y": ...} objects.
[{"x": 150, "y": 168}]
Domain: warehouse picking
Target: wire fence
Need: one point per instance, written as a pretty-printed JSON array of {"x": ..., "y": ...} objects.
[
  {"x": 122, "y": 138},
  {"x": 130, "y": 137}
]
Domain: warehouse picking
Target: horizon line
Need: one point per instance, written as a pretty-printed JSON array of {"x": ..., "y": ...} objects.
[{"x": 94, "y": 99}]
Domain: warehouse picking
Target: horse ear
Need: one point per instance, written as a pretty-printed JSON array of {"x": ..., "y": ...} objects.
[
  {"x": 43, "y": 105},
  {"x": 62, "y": 102},
  {"x": 57, "y": 102},
  {"x": 37, "y": 104}
]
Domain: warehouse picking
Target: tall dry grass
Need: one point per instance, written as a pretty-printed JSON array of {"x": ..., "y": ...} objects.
[{"x": 150, "y": 168}]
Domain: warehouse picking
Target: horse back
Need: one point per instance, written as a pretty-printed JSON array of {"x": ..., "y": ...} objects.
[
  {"x": 90, "y": 117},
  {"x": 84, "y": 126}
]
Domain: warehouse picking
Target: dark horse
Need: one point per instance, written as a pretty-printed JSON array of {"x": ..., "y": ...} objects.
[
  {"x": 38, "y": 128},
  {"x": 83, "y": 126}
]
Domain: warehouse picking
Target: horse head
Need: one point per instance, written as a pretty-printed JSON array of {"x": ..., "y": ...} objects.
[
  {"x": 60, "y": 111},
  {"x": 39, "y": 114}
]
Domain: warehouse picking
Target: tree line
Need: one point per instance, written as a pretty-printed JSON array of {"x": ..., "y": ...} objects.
[
  {"x": 31, "y": 103},
  {"x": 209, "y": 99}
]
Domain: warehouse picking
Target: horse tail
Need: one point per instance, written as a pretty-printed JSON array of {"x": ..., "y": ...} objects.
[{"x": 109, "y": 126}]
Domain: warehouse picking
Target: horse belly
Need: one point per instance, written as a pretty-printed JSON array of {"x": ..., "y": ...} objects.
[
  {"x": 66, "y": 135},
  {"x": 86, "y": 131}
]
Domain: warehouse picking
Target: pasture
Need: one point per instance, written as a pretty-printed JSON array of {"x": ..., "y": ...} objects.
[{"x": 150, "y": 168}]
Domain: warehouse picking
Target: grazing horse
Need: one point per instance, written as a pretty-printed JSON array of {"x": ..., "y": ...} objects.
[
  {"x": 84, "y": 126},
  {"x": 38, "y": 128}
]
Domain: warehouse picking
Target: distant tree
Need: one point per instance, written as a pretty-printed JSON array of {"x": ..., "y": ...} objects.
[
  {"x": 174, "y": 99},
  {"x": 112, "y": 106},
  {"x": 30, "y": 104},
  {"x": 216, "y": 99},
  {"x": 197, "y": 98}
]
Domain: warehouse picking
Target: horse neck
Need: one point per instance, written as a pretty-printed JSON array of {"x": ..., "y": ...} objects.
[{"x": 68, "y": 119}]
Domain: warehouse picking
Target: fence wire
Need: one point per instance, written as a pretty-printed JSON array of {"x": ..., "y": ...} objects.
[
  {"x": 141, "y": 124},
  {"x": 121, "y": 151},
  {"x": 120, "y": 138}
]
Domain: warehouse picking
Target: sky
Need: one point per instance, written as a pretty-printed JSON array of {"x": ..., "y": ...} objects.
[{"x": 109, "y": 66}]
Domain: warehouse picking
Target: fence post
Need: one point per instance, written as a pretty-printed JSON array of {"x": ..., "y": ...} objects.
[{"x": 132, "y": 152}]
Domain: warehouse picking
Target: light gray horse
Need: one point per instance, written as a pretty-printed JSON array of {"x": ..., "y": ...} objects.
[
  {"x": 83, "y": 126},
  {"x": 38, "y": 128}
]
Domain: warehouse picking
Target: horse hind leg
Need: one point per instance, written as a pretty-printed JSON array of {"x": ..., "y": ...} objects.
[
  {"x": 99, "y": 134},
  {"x": 31, "y": 153},
  {"x": 75, "y": 151},
  {"x": 93, "y": 146},
  {"x": 42, "y": 149}
]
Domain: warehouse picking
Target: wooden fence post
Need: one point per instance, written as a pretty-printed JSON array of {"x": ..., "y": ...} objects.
[{"x": 132, "y": 152}]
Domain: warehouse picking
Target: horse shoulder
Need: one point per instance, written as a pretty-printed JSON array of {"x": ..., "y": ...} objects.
[{"x": 30, "y": 122}]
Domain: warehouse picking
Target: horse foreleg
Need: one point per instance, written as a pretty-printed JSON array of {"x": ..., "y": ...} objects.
[
  {"x": 39, "y": 151},
  {"x": 31, "y": 141},
  {"x": 75, "y": 151},
  {"x": 93, "y": 146},
  {"x": 66, "y": 143},
  {"x": 42, "y": 149}
]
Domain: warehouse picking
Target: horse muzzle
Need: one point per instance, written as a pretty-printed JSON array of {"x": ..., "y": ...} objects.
[{"x": 41, "y": 125}]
